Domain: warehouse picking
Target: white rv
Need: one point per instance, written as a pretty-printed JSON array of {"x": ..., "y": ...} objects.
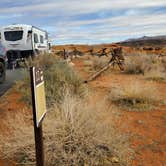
[{"x": 22, "y": 41}]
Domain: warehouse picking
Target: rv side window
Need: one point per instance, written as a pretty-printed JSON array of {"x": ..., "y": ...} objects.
[
  {"x": 36, "y": 38},
  {"x": 41, "y": 39}
]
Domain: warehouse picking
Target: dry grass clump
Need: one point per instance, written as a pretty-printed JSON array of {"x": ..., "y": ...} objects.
[
  {"x": 73, "y": 135},
  {"x": 149, "y": 65},
  {"x": 95, "y": 63},
  {"x": 88, "y": 63},
  {"x": 157, "y": 71},
  {"x": 17, "y": 144},
  {"x": 163, "y": 61},
  {"x": 58, "y": 76},
  {"x": 134, "y": 96},
  {"x": 132, "y": 53},
  {"x": 99, "y": 63},
  {"x": 137, "y": 64},
  {"x": 156, "y": 74}
]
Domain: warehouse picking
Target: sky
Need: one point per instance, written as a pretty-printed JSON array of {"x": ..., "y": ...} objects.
[{"x": 88, "y": 21}]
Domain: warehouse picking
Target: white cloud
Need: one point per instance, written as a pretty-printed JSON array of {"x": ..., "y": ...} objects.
[
  {"x": 73, "y": 7},
  {"x": 113, "y": 28},
  {"x": 135, "y": 21}
]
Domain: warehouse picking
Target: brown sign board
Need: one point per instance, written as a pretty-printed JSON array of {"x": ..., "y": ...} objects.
[{"x": 39, "y": 94}]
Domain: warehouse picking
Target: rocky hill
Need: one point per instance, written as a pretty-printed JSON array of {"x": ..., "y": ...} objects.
[{"x": 153, "y": 41}]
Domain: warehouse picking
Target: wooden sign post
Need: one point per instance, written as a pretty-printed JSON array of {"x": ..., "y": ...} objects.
[{"x": 39, "y": 110}]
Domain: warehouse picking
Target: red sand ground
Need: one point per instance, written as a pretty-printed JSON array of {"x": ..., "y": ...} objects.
[
  {"x": 11, "y": 106},
  {"x": 8, "y": 105},
  {"x": 148, "y": 128}
]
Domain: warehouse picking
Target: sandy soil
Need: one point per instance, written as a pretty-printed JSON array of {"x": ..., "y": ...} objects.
[
  {"x": 11, "y": 106},
  {"x": 148, "y": 128}
]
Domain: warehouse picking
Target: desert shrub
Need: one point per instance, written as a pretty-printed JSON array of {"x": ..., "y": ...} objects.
[
  {"x": 149, "y": 65},
  {"x": 137, "y": 64},
  {"x": 23, "y": 86},
  {"x": 88, "y": 63},
  {"x": 95, "y": 63},
  {"x": 98, "y": 63},
  {"x": 163, "y": 61},
  {"x": 58, "y": 76},
  {"x": 73, "y": 135},
  {"x": 157, "y": 73},
  {"x": 17, "y": 144},
  {"x": 79, "y": 137},
  {"x": 134, "y": 96}
]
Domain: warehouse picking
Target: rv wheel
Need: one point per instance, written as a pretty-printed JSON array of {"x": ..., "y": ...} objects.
[{"x": 2, "y": 72}]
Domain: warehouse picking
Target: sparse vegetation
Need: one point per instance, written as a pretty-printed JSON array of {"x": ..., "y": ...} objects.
[
  {"x": 149, "y": 65},
  {"x": 73, "y": 135},
  {"x": 134, "y": 96},
  {"x": 137, "y": 64},
  {"x": 73, "y": 132},
  {"x": 99, "y": 63},
  {"x": 20, "y": 146},
  {"x": 95, "y": 64},
  {"x": 58, "y": 77},
  {"x": 158, "y": 75},
  {"x": 157, "y": 71},
  {"x": 81, "y": 139},
  {"x": 81, "y": 130}
]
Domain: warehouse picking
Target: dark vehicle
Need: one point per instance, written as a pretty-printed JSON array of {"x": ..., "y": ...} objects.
[{"x": 3, "y": 61}]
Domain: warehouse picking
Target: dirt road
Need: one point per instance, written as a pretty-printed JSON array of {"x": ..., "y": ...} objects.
[{"x": 11, "y": 77}]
